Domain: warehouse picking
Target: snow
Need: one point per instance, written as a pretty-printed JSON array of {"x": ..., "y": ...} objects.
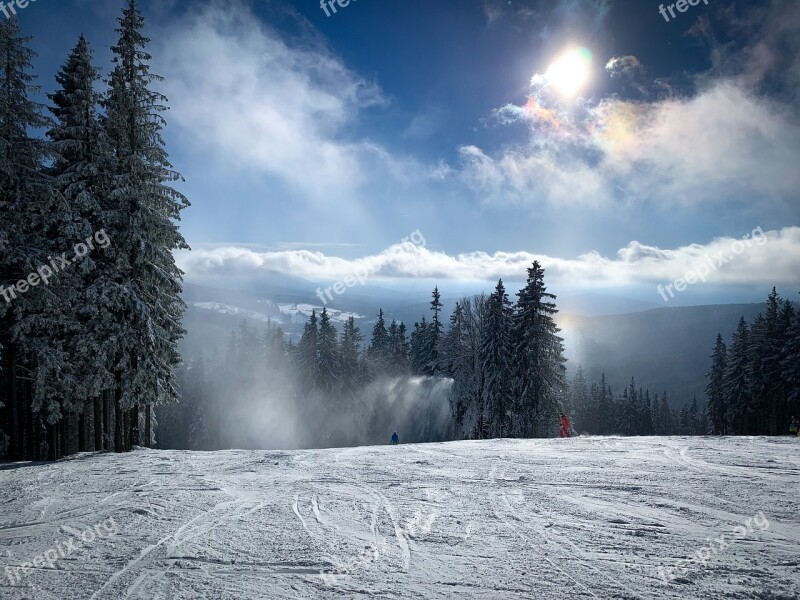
[
  {"x": 227, "y": 309},
  {"x": 299, "y": 313},
  {"x": 578, "y": 518}
]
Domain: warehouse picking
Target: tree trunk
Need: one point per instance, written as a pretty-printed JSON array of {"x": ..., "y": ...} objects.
[
  {"x": 97, "y": 404},
  {"x": 37, "y": 439},
  {"x": 106, "y": 420},
  {"x": 52, "y": 442},
  {"x": 15, "y": 446},
  {"x": 26, "y": 399},
  {"x": 118, "y": 416},
  {"x": 135, "y": 439},
  {"x": 82, "y": 431},
  {"x": 148, "y": 433},
  {"x": 63, "y": 436}
]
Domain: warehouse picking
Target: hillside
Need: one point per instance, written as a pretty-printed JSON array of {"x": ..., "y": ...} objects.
[{"x": 547, "y": 519}]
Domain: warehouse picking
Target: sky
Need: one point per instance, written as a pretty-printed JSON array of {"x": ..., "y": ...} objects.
[{"x": 458, "y": 140}]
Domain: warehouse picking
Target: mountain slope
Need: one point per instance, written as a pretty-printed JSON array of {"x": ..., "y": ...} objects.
[{"x": 547, "y": 519}]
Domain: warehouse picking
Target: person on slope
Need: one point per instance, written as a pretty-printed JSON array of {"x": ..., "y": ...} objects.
[
  {"x": 395, "y": 439},
  {"x": 565, "y": 429},
  {"x": 794, "y": 427}
]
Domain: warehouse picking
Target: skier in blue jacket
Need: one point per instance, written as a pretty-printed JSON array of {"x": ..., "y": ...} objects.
[{"x": 395, "y": 439}]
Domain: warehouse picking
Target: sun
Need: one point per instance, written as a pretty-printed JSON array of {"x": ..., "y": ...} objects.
[{"x": 570, "y": 72}]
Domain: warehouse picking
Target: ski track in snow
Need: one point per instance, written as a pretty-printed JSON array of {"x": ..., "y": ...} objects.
[{"x": 548, "y": 519}]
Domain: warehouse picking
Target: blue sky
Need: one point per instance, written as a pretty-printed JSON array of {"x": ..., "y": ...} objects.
[{"x": 313, "y": 145}]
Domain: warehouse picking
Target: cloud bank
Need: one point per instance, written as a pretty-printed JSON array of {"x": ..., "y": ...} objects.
[{"x": 765, "y": 258}]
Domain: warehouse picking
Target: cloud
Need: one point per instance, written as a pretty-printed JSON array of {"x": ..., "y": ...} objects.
[
  {"x": 241, "y": 91},
  {"x": 759, "y": 258},
  {"x": 624, "y": 66},
  {"x": 735, "y": 140}
]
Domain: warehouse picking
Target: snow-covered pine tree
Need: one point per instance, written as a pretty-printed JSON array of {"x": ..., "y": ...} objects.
[
  {"x": 715, "y": 390},
  {"x": 434, "y": 334},
  {"x": 77, "y": 323},
  {"x": 349, "y": 366},
  {"x": 736, "y": 386},
  {"x": 704, "y": 423},
  {"x": 328, "y": 362},
  {"x": 684, "y": 422},
  {"x": 379, "y": 353},
  {"x": 539, "y": 355},
  {"x": 790, "y": 365},
  {"x": 694, "y": 418},
  {"x": 773, "y": 416},
  {"x": 418, "y": 353},
  {"x": 306, "y": 356},
  {"x": 628, "y": 415},
  {"x": 497, "y": 352},
  {"x": 143, "y": 215},
  {"x": 461, "y": 360},
  {"x": 758, "y": 341},
  {"x": 398, "y": 349},
  {"x": 665, "y": 417},
  {"x": 26, "y": 197},
  {"x": 645, "y": 414}
]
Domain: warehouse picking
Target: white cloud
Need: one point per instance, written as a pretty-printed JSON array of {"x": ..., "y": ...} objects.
[
  {"x": 769, "y": 258},
  {"x": 734, "y": 141},
  {"x": 723, "y": 145},
  {"x": 241, "y": 91}
]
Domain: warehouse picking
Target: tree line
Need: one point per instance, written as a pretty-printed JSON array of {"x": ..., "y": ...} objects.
[
  {"x": 754, "y": 382},
  {"x": 86, "y": 349},
  {"x": 496, "y": 369},
  {"x": 596, "y": 410},
  {"x": 498, "y": 365}
]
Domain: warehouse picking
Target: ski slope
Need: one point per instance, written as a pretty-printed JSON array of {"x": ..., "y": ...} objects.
[{"x": 578, "y": 518}]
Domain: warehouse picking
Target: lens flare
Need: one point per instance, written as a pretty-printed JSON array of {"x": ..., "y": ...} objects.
[{"x": 570, "y": 72}]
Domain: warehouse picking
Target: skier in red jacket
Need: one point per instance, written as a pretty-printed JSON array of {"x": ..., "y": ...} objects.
[{"x": 564, "y": 426}]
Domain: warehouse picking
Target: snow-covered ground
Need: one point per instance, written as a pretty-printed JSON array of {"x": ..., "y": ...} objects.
[{"x": 578, "y": 518}]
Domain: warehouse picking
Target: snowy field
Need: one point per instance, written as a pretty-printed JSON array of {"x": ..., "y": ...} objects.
[{"x": 579, "y": 518}]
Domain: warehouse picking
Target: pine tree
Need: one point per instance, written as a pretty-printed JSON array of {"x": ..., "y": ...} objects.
[
  {"x": 379, "y": 351},
  {"x": 758, "y": 340},
  {"x": 539, "y": 356},
  {"x": 606, "y": 419},
  {"x": 77, "y": 325},
  {"x": 715, "y": 390},
  {"x": 433, "y": 335},
  {"x": 328, "y": 362},
  {"x": 496, "y": 354},
  {"x": 645, "y": 414},
  {"x": 143, "y": 216},
  {"x": 398, "y": 349},
  {"x": 704, "y": 423},
  {"x": 418, "y": 354},
  {"x": 790, "y": 365},
  {"x": 350, "y": 357},
  {"x": 694, "y": 418},
  {"x": 306, "y": 355},
  {"x": 665, "y": 417},
  {"x": 26, "y": 206},
  {"x": 736, "y": 386}
]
